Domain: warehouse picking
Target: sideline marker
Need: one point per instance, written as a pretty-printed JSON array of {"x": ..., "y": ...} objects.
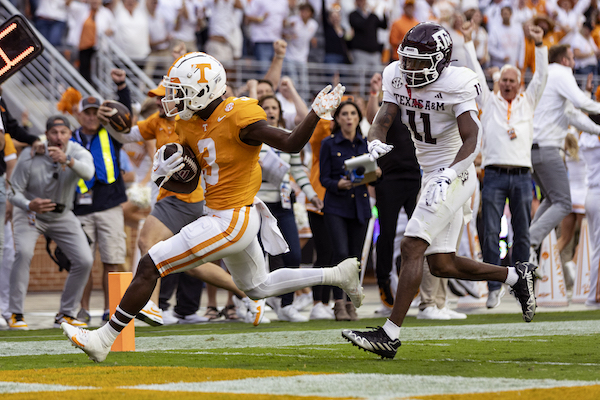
[
  {"x": 551, "y": 289},
  {"x": 581, "y": 287},
  {"x": 118, "y": 282}
]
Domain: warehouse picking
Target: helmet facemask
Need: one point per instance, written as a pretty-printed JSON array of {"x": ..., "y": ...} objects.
[
  {"x": 419, "y": 69},
  {"x": 193, "y": 82}
]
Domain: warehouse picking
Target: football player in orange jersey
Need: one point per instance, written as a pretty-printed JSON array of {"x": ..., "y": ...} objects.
[
  {"x": 171, "y": 212},
  {"x": 226, "y": 136}
]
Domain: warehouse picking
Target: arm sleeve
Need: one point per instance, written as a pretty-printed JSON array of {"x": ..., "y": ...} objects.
[
  {"x": 581, "y": 121},
  {"x": 299, "y": 174},
  {"x": 12, "y": 127},
  {"x": 124, "y": 96},
  {"x": 325, "y": 168},
  {"x": 83, "y": 164},
  {"x": 475, "y": 66},
  {"x": 18, "y": 181},
  {"x": 536, "y": 87},
  {"x": 568, "y": 88},
  {"x": 133, "y": 136}
]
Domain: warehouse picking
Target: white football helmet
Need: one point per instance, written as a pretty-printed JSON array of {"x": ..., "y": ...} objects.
[{"x": 193, "y": 81}]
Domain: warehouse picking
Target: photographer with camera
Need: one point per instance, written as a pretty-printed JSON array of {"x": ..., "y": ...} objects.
[
  {"x": 43, "y": 188},
  {"x": 346, "y": 205}
]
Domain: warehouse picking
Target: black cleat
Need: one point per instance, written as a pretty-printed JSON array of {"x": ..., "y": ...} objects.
[
  {"x": 523, "y": 289},
  {"x": 375, "y": 341}
]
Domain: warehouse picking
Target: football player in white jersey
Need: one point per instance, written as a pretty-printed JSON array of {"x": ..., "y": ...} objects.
[{"x": 437, "y": 104}]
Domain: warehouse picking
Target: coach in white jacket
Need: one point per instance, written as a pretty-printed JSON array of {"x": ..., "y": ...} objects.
[
  {"x": 507, "y": 120},
  {"x": 43, "y": 188},
  {"x": 550, "y": 124}
]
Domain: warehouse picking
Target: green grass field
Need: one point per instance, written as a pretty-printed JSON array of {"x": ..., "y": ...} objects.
[{"x": 485, "y": 353}]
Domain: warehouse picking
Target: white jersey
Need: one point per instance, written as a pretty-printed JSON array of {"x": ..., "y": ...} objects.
[{"x": 430, "y": 112}]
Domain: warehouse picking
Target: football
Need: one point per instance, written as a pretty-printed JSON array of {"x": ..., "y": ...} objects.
[
  {"x": 120, "y": 117},
  {"x": 185, "y": 180}
]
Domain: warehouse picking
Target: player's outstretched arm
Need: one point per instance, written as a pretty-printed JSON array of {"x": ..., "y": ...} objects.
[
  {"x": 292, "y": 142},
  {"x": 378, "y": 131}
]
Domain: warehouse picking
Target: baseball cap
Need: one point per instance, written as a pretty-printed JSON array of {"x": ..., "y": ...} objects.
[
  {"x": 89, "y": 102},
  {"x": 57, "y": 120},
  {"x": 158, "y": 91}
]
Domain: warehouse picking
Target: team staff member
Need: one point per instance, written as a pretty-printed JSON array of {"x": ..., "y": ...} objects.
[
  {"x": 44, "y": 187},
  {"x": 170, "y": 214},
  {"x": 98, "y": 200},
  {"x": 226, "y": 136}
]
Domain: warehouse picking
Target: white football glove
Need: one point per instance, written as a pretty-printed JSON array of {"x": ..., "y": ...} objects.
[
  {"x": 325, "y": 103},
  {"x": 377, "y": 149},
  {"x": 438, "y": 186},
  {"x": 162, "y": 168}
]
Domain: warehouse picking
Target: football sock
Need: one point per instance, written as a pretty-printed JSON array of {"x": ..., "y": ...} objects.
[
  {"x": 512, "y": 276},
  {"x": 107, "y": 334},
  {"x": 392, "y": 330},
  {"x": 286, "y": 280},
  {"x": 120, "y": 319}
]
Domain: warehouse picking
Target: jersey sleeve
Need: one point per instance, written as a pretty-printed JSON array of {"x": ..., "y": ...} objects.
[
  {"x": 147, "y": 127},
  {"x": 245, "y": 111},
  {"x": 388, "y": 76},
  {"x": 466, "y": 86}
]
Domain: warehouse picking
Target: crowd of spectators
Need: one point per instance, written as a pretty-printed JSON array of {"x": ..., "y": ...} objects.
[{"x": 361, "y": 32}]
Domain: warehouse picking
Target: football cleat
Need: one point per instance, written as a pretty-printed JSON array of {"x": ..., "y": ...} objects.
[
  {"x": 523, "y": 289},
  {"x": 256, "y": 310},
  {"x": 349, "y": 270},
  {"x": 376, "y": 341},
  {"x": 88, "y": 341},
  {"x": 60, "y": 318},
  {"x": 16, "y": 322},
  {"x": 151, "y": 314}
]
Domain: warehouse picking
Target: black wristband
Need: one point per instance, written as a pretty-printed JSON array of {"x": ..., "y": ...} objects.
[
  {"x": 123, "y": 82},
  {"x": 539, "y": 44}
]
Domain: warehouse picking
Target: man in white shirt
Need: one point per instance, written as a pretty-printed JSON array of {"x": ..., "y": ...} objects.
[
  {"x": 550, "y": 124},
  {"x": 506, "y": 43},
  {"x": 507, "y": 119}
]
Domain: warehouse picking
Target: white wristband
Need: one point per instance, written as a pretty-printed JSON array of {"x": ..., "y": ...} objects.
[{"x": 496, "y": 76}]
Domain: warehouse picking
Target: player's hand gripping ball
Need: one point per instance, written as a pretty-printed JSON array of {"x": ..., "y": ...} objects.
[
  {"x": 120, "y": 116},
  {"x": 176, "y": 169}
]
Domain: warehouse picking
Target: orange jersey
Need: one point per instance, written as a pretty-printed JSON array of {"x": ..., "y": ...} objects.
[
  {"x": 230, "y": 167},
  {"x": 322, "y": 130},
  {"x": 9, "y": 148},
  {"x": 163, "y": 130}
]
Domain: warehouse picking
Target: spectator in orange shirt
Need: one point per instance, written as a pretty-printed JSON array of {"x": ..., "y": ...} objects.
[{"x": 401, "y": 26}]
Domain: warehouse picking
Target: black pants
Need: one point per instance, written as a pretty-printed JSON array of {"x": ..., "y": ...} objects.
[
  {"x": 324, "y": 250},
  {"x": 189, "y": 291},
  {"x": 347, "y": 237},
  {"x": 392, "y": 195},
  {"x": 85, "y": 63}
]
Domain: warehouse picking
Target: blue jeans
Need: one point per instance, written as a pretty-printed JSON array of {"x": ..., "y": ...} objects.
[
  {"x": 497, "y": 187},
  {"x": 53, "y": 31},
  {"x": 263, "y": 51}
]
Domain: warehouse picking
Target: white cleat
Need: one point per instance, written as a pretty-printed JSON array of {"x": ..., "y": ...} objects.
[
  {"x": 151, "y": 314},
  {"x": 88, "y": 341},
  {"x": 349, "y": 270},
  {"x": 256, "y": 310}
]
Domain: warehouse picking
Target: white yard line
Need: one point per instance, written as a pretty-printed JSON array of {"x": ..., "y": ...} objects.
[
  {"x": 314, "y": 338},
  {"x": 369, "y": 386}
]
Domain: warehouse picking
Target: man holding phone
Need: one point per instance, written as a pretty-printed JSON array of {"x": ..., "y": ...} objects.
[{"x": 43, "y": 188}]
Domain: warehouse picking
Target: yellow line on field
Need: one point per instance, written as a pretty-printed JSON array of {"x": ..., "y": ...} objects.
[
  {"x": 113, "y": 377},
  {"x": 560, "y": 393}
]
